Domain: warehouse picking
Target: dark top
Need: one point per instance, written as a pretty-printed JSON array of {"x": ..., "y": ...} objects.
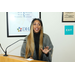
[{"x": 36, "y": 41}]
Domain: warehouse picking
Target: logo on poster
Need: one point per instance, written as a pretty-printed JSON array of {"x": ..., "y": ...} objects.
[
  {"x": 23, "y": 29},
  {"x": 19, "y": 29}
]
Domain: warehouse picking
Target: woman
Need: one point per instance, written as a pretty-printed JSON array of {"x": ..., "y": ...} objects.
[{"x": 38, "y": 45}]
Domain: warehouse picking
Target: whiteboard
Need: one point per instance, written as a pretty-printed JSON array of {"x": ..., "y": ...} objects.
[{"x": 18, "y": 23}]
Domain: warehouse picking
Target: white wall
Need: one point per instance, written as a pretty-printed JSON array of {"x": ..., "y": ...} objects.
[
  {"x": 5, "y": 41},
  {"x": 64, "y": 49}
]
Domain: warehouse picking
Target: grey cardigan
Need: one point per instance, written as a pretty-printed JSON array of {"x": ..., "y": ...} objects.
[{"x": 46, "y": 42}]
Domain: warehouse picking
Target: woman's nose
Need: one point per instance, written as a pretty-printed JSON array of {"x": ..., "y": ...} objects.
[{"x": 36, "y": 25}]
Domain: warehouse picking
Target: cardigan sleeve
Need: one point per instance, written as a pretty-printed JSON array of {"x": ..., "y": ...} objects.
[
  {"x": 48, "y": 42},
  {"x": 23, "y": 49}
]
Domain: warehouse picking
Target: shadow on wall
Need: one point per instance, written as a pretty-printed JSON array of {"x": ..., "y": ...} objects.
[
  {"x": 1, "y": 52},
  {"x": 14, "y": 49}
]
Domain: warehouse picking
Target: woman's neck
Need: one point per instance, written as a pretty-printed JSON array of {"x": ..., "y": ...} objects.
[{"x": 36, "y": 33}]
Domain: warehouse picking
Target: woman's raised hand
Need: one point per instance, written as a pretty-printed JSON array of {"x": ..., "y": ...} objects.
[{"x": 46, "y": 49}]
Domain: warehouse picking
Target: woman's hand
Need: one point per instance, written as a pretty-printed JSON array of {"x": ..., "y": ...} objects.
[
  {"x": 31, "y": 58},
  {"x": 46, "y": 49}
]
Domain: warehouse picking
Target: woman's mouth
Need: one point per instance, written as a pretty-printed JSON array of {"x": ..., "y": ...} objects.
[{"x": 36, "y": 29}]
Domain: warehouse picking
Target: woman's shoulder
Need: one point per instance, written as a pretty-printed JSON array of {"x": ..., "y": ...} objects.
[
  {"x": 26, "y": 38},
  {"x": 45, "y": 35}
]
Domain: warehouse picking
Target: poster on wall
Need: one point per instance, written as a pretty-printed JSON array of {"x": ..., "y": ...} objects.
[
  {"x": 18, "y": 23},
  {"x": 68, "y": 17}
]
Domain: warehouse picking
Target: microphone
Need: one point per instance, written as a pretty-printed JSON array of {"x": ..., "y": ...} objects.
[
  {"x": 2, "y": 48},
  {"x": 11, "y": 45}
]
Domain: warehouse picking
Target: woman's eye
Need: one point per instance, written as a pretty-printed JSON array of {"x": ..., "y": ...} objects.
[
  {"x": 34, "y": 24},
  {"x": 39, "y": 24}
]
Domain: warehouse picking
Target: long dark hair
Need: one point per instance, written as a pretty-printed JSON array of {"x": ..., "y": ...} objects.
[{"x": 30, "y": 40}]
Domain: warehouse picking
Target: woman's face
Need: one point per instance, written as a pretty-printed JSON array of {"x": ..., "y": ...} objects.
[{"x": 36, "y": 26}]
